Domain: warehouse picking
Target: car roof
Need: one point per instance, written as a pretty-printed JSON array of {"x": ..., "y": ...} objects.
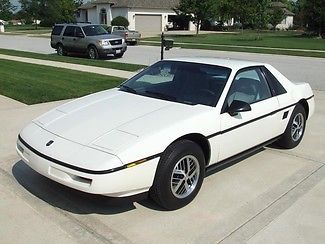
[
  {"x": 234, "y": 64},
  {"x": 75, "y": 24}
]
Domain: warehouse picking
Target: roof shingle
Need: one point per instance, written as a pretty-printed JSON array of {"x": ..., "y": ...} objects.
[{"x": 149, "y": 4}]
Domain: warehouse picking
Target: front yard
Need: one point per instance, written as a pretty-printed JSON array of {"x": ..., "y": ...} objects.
[
  {"x": 273, "y": 42},
  {"x": 31, "y": 84},
  {"x": 73, "y": 60}
]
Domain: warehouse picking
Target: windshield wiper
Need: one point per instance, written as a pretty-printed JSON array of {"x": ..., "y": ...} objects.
[
  {"x": 128, "y": 89},
  {"x": 161, "y": 95}
]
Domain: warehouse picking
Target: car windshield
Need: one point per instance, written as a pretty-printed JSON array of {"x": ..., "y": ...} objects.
[
  {"x": 183, "y": 82},
  {"x": 94, "y": 30}
]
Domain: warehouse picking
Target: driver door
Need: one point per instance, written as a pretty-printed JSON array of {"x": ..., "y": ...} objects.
[{"x": 250, "y": 128}]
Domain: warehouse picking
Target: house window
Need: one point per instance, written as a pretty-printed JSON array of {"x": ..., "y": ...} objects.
[
  {"x": 103, "y": 16},
  {"x": 86, "y": 16}
]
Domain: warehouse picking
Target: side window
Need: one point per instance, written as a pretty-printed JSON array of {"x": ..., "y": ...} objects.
[
  {"x": 275, "y": 85},
  {"x": 57, "y": 30},
  {"x": 69, "y": 31},
  {"x": 79, "y": 32},
  {"x": 249, "y": 86}
]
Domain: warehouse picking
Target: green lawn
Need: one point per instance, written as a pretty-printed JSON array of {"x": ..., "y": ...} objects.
[
  {"x": 27, "y": 29},
  {"x": 74, "y": 60},
  {"x": 247, "y": 39},
  {"x": 31, "y": 84}
]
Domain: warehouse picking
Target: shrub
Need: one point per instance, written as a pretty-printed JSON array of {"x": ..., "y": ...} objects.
[{"x": 120, "y": 21}]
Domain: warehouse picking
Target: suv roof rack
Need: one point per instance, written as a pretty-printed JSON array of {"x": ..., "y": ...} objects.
[{"x": 73, "y": 23}]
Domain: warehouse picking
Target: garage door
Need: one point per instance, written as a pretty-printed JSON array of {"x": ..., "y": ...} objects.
[{"x": 148, "y": 24}]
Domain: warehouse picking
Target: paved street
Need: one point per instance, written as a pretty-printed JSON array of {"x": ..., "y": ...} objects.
[
  {"x": 274, "y": 196},
  {"x": 295, "y": 68}
]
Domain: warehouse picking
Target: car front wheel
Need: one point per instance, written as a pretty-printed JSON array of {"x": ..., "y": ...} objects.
[
  {"x": 93, "y": 53},
  {"x": 179, "y": 175},
  {"x": 295, "y": 129}
]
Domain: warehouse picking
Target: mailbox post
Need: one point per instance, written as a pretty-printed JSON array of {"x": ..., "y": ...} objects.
[{"x": 166, "y": 44}]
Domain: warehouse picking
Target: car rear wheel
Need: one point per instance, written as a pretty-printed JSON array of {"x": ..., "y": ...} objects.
[
  {"x": 295, "y": 128},
  {"x": 179, "y": 175},
  {"x": 60, "y": 50},
  {"x": 93, "y": 53}
]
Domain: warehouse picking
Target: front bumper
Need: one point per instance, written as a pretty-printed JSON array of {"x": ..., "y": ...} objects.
[
  {"x": 118, "y": 182},
  {"x": 112, "y": 50}
]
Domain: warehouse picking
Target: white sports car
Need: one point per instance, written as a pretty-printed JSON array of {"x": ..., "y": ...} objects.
[{"x": 163, "y": 129}]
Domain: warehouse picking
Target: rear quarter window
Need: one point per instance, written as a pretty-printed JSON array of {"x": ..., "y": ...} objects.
[
  {"x": 275, "y": 85},
  {"x": 57, "y": 30}
]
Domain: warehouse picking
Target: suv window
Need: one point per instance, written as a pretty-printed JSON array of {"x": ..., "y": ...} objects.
[
  {"x": 69, "y": 31},
  {"x": 57, "y": 30},
  {"x": 249, "y": 86},
  {"x": 94, "y": 30},
  {"x": 79, "y": 32}
]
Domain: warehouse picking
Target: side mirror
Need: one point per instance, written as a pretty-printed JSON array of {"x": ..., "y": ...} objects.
[{"x": 238, "y": 106}]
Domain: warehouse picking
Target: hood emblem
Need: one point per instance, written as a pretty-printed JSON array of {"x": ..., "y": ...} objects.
[{"x": 49, "y": 143}]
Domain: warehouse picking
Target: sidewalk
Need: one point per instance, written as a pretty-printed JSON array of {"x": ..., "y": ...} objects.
[{"x": 78, "y": 67}]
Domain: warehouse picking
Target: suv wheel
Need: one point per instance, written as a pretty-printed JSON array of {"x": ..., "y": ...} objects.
[
  {"x": 60, "y": 50},
  {"x": 92, "y": 52}
]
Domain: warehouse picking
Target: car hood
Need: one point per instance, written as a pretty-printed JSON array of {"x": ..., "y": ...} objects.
[
  {"x": 112, "y": 120},
  {"x": 105, "y": 37}
]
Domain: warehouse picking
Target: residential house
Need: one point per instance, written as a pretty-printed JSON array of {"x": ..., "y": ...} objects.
[
  {"x": 287, "y": 22},
  {"x": 146, "y": 16}
]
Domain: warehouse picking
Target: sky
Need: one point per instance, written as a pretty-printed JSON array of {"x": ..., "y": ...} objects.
[{"x": 15, "y": 2}]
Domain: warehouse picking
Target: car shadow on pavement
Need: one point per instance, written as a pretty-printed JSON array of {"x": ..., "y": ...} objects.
[
  {"x": 85, "y": 56},
  {"x": 78, "y": 202},
  {"x": 74, "y": 201}
]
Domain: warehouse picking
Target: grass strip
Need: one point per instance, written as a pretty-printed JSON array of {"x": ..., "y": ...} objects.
[
  {"x": 32, "y": 84},
  {"x": 73, "y": 60}
]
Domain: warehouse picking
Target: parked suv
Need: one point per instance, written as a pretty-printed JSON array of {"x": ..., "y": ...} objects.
[{"x": 87, "y": 38}]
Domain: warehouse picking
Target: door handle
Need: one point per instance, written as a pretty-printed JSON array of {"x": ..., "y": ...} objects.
[
  {"x": 62, "y": 38},
  {"x": 74, "y": 39}
]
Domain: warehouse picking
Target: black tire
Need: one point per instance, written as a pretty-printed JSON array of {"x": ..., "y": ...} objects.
[
  {"x": 60, "y": 50},
  {"x": 93, "y": 52},
  {"x": 163, "y": 191},
  {"x": 119, "y": 55},
  {"x": 289, "y": 139}
]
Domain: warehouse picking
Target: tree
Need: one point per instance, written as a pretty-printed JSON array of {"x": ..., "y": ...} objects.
[
  {"x": 251, "y": 14},
  {"x": 120, "y": 21},
  {"x": 314, "y": 16},
  {"x": 276, "y": 16},
  {"x": 49, "y": 11},
  {"x": 30, "y": 10},
  {"x": 197, "y": 10},
  {"x": 6, "y": 9}
]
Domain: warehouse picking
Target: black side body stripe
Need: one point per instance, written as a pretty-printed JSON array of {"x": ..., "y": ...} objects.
[
  {"x": 253, "y": 120},
  {"x": 83, "y": 170}
]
